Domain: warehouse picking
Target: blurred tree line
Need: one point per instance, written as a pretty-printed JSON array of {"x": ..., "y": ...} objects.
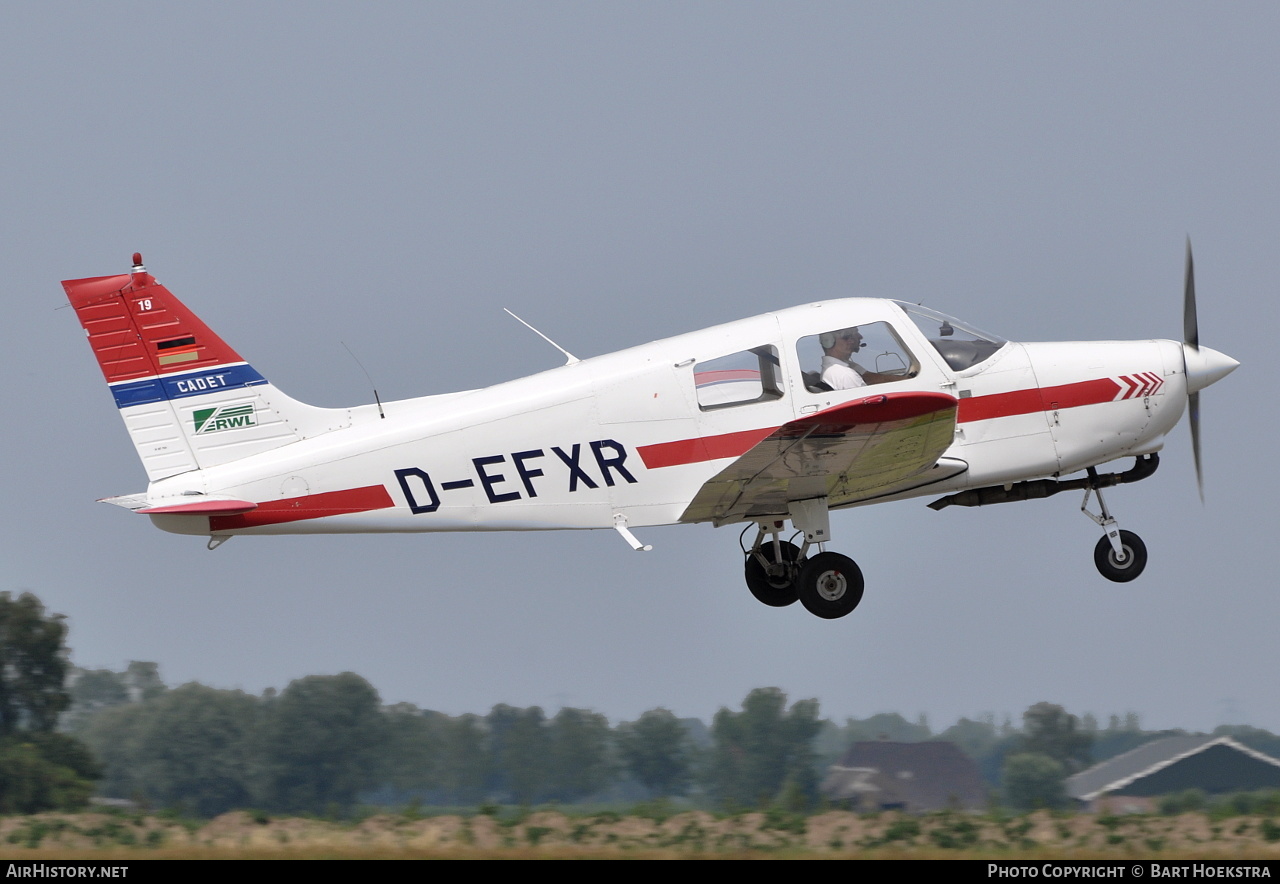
[{"x": 326, "y": 743}]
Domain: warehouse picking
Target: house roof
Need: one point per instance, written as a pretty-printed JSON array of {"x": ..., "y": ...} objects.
[
  {"x": 1148, "y": 759},
  {"x": 918, "y": 776}
]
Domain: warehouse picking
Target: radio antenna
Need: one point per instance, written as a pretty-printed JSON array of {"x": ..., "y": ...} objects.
[
  {"x": 570, "y": 358},
  {"x": 370, "y": 378}
]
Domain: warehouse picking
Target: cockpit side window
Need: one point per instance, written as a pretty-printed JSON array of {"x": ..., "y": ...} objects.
[
  {"x": 738, "y": 379},
  {"x": 841, "y": 359},
  {"x": 960, "y": 344}
]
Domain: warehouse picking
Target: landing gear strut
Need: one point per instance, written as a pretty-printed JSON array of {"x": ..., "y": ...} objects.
[
  {"x": 1120, "y": 555},
  {"x": 778, "y": 572},
  {"x": 772, "y": 568}
]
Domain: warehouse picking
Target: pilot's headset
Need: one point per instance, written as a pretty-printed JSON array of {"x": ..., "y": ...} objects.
[{"x": 827, "y": 340}]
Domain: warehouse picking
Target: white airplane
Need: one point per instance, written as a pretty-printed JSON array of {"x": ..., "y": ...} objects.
[{"x": 758, "y": 422}]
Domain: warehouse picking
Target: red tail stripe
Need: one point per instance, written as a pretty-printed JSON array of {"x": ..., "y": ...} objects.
[{"x": 312, "y": 506}]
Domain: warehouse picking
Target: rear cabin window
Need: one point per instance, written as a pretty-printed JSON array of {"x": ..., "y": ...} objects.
[{"x": 738, "y": 379}]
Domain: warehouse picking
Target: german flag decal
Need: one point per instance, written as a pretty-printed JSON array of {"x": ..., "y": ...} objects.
[{"x": 176, "y": 350}]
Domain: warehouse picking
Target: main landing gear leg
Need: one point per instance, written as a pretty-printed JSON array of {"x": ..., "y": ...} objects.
[
  {"x": 1120, "y": 555},
  {"x": 828, "y": 584},
  {"x": 773, "y": 564},
  {"x": 778, "y": 572}
]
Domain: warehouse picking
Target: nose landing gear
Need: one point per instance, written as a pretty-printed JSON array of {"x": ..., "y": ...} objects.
[
  {"x": 1124, "y": 567},
  {"x": 1120, "y": 555}
]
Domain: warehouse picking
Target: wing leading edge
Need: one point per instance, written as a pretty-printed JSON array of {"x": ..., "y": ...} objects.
[{"x": 866, "y": 448}]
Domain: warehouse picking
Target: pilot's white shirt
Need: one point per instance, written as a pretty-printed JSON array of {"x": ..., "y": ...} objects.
[{"x": 840, "y": 375}]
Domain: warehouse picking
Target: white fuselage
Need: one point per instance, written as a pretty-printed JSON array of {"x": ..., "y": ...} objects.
[{"x": 637, "y": 433}]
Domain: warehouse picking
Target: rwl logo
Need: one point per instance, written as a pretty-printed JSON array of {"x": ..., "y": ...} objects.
[{"x": 224, "y": 417}]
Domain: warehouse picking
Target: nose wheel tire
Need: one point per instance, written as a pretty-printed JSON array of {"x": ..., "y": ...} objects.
[
  {"x": 1116, "y": 569},
  {"x": 774, "y": 584},
  {"x": 830, "y": 585}
]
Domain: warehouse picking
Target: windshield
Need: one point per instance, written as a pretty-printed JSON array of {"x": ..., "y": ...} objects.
[{"x": 959, "y": 343}]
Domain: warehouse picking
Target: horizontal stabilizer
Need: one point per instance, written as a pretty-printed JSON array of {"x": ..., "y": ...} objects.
[
  {"x": 201, "y": 508},
  {"x": 204, "y": 506},
  {"x": 133, "y": 502}
]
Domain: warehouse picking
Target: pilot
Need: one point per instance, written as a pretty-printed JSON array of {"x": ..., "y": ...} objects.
[
  {"x": 839, "y": 372},
  {"x": 838, "y": 347}
]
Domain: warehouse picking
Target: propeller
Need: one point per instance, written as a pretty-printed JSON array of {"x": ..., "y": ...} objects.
[
  {"x": 1203, "y": 366},
  {"x": 1191, "y": 339}
]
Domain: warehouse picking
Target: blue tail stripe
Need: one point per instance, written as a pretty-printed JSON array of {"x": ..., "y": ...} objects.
[{"x": 180, "y": 386}]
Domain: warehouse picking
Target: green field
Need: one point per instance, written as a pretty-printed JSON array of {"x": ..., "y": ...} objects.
[{"x": 554, "y": 834}]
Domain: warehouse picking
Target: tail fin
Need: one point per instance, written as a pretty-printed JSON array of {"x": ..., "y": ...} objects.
[{"x": 188, "y": 400}]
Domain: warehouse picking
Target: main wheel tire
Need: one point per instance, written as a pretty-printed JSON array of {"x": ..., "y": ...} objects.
[
  {"x": 830, "y": 585},
  {"x": 779, "y": 589},
  {"x": 1135, "y": 558}
]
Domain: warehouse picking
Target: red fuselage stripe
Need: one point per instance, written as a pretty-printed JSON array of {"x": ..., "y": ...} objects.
[
  {"x": 312, "y": 506},
  {"x": 976, "y": 408},
  {"x": 872, "y": 410},
  {"x": 985, "y": 408},
  {"x": 701, "y": 448}
]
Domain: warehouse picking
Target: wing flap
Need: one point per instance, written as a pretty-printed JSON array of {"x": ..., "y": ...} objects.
[{"x": 862, "y": 449}]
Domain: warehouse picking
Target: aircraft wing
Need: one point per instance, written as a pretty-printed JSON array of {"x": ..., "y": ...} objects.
[{"x": 862, "y": 449}]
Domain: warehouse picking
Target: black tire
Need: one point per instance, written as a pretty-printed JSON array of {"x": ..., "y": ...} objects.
[
  {"x": 830, "y": 585},
  {"x": 778, "y": 590},
  {"x": 1104, "y": 557}
]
